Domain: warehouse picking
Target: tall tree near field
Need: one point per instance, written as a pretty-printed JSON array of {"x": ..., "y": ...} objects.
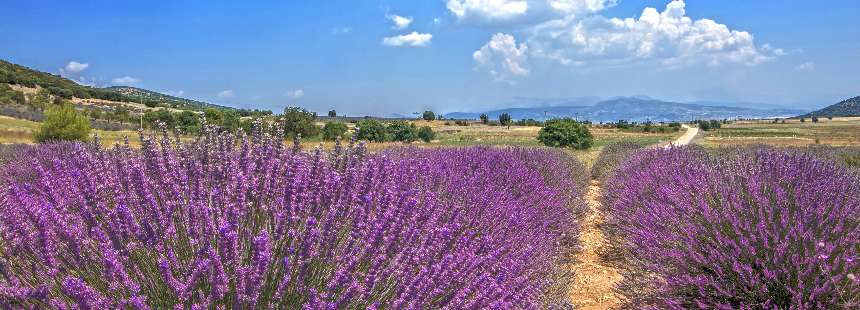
[
  {"x": 332, "y": 113},
  {"x": 505, "y": 119},
  {"x": 298, "y": 121},
  {"x": 63, "y": 123},
  {"x": 429, "y": 116},
  {"x": 485, "y": 119}
]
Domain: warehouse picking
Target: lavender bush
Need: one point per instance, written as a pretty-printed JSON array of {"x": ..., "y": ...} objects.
[
  {"x": 242, "y": 222},
  {"x": 760, "y": 229}
]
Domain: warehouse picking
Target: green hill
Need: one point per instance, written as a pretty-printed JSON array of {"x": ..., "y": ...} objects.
[
  {"x": 847, "y": 107},
  {"x": 58, "y": 86},
  {"x": 65, "y": 88},
  {"x": 139, "y": 94}
]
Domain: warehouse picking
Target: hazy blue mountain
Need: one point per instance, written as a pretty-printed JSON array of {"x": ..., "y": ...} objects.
[
  {"x": 638, "y": 108},
  {"x": 847, "y": 107}
]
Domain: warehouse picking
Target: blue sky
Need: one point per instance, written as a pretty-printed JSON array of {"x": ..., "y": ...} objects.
[{"x": 363, "y": 57}]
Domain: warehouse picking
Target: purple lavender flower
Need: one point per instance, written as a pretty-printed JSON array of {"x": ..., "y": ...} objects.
[{"x": 234, "y": 221}]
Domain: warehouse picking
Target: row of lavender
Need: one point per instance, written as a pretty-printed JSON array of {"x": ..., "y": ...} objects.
[
  {"x": 739, "y": 229},
  {"x": 246, "y": 223}
]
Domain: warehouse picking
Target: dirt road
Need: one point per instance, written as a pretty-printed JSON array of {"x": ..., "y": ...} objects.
[{"x": 688, "y": 136}]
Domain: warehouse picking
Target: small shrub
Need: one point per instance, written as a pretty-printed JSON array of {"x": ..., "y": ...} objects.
[
  {"x": 565, "y": 133},
  {"x": 370, "y": 130},
  {"x": 63, "y": 123},
  {"x": 334, "y": 129},
  {"x": 426, "y": 134},
  {"x": 402, "y": 131}
]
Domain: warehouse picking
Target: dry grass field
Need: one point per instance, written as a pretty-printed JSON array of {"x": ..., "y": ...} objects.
[
  {"x": 843, "y": 131},
  {"x": 13, "y": 130},
  {"x": 448, "y": 134}
]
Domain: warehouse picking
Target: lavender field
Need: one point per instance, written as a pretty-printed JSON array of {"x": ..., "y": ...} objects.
[
  {"x": 755, "y": 228},
  {"x": 244, "y": 222}
]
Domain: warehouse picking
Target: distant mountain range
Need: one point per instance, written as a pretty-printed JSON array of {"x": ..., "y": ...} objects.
[
  {"x": 638, "y": 108},
  {"x": 847, "y": 107}
]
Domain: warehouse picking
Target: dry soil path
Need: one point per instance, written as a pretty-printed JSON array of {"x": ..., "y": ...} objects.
[
  {"x": 688, "y": 136},
  {"x": 593, "y": 285}
]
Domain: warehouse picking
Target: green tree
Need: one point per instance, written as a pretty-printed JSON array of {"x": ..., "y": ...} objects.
[
  {"x": 334, "y": 129},
  {"x": 188, "y": 122},
  {"x": 213, "y": 116},
  {"x": 63, "y": 123},
  {"x": 485, "y": 119},
  {"x": 505, "y": 119},
  {"x": 163, "y": 116},
  {"x": 403, "y": 131},
  {"x": 426, "y": 134},
  {"x": 370, "y": 130},
  {"x": 230, "y": 120},
  {"x": 121, "y": 114},
  {"x": 429, "y": 116},
  {"x": 565, "y": 133},
  {"x": 332, "y": 113},
  {"x": 299, "y": 121}
]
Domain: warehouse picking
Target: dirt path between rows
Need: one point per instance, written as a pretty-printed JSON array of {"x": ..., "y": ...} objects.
[{"x": 593, "y": 284}]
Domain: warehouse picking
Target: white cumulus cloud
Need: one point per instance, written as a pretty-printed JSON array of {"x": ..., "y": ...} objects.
[
  {"x": 400, "y": 22},
  {"x": 413, "y": 39},
  {"x": 74, "y": 67},
  {"x": 125, "y": 81},
  {"x": 501, "y": 11},
  {"x": 580, "y": 6},
  {"x": 503, "y": 58},
  {"x": 295, "y": 94},
  {"x": 227, "y": 93},
  {"x": 669, "y": 37},
  {"x": 489, "y": 10},
  {"x": 806, "y": 66}
]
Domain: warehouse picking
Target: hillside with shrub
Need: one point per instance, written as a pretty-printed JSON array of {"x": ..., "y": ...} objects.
[
  {"x": 847, "y": 107},
  {"x": 60, "y": 87}
]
